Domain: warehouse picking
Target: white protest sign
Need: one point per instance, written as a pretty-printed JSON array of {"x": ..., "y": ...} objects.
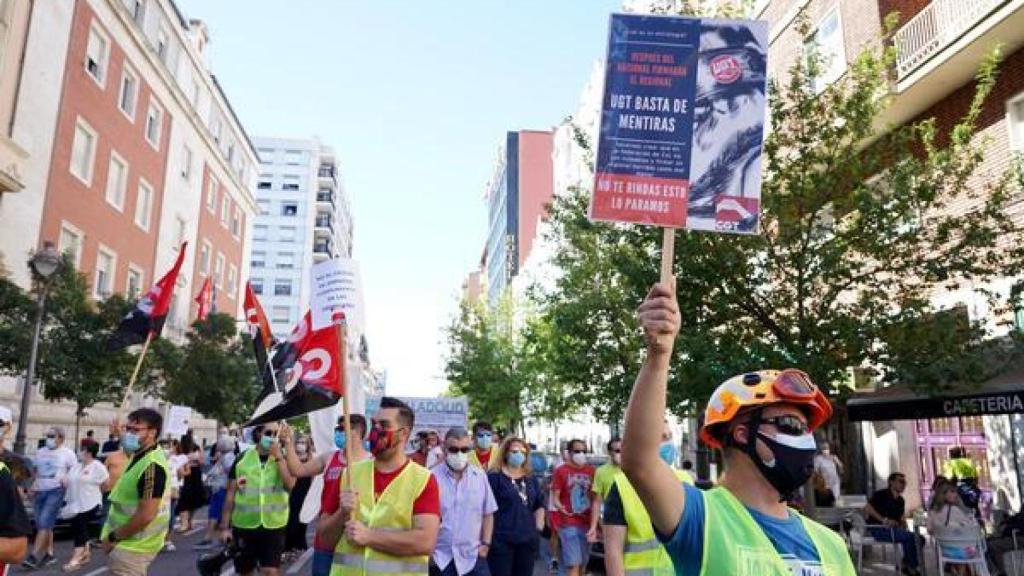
[
  {"x": 437, "y": 413},
  {"x": 177, "y": 421},
  {"x": 336, "y": 286}
]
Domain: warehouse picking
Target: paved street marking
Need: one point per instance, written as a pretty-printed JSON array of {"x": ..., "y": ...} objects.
[
  {"x": 97, "y": 571},
  {"x": 300, "y": 561}
]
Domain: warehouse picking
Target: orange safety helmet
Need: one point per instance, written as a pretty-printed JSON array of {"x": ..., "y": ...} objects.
[{"x": 763, "y": 388}]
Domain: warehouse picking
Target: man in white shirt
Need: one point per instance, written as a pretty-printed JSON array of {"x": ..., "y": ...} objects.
[{"x": 52, "y": 462}]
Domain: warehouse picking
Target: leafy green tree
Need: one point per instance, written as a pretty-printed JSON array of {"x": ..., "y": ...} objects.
[
  {"x": 484, "y": 363},
  {"x": 855, "y": 241},
  {"x": 216, "y": 375}
]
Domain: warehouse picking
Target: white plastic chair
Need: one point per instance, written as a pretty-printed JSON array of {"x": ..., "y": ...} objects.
[
  {"x": 860, "y": 538},
  {"x": 962, "y": 539}
]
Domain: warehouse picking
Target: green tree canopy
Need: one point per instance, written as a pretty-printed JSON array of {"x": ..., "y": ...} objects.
[{"x": 856, "y": 239}]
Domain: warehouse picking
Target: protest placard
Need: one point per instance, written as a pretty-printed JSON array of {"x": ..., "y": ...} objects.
[
  {"x": 177, "y": 421},
  {"x": 336, "y": 286},
  {"x": 682, "y": 124},
  {"x": 438, "y": 413}
]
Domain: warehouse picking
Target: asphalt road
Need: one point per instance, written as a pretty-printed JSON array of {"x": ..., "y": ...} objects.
[{"x": 179, "y": 563}]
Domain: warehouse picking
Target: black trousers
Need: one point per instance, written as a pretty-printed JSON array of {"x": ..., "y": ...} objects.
[
  {"x": 80, "y": 526},
  {"x": 508, "y": 559}
]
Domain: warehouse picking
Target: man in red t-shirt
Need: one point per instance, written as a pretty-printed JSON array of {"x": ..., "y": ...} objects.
[
  {"x": 570, "y": 492},
  {"x": 331, "y": 464},
  {"x": 388, "y": 437}
]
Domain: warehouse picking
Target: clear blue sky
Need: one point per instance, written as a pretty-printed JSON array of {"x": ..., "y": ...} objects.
[{"x": 415, "y": 96}]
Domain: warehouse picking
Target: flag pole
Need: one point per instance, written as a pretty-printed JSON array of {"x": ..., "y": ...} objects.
[
  {"x": 668, "y": 249},
  {"x": 135, "y": 373},
  {"x": 342, "y": 328}
]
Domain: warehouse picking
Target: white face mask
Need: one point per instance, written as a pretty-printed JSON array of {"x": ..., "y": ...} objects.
[
  {"x": 457, "y": 462},
  {"x": 579, "y": 459},
  {"x": 616, "y": 459},
  {"x": 300, "y": 448}
]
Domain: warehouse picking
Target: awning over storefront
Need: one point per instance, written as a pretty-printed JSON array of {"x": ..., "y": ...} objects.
[{"x": 1001, "y": 395}]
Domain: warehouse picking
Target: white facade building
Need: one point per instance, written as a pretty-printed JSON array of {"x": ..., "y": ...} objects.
[{"x": 304, "y": 217}]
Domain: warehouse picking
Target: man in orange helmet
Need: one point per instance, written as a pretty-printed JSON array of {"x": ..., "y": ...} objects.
[{"x": 763, "y": 423}]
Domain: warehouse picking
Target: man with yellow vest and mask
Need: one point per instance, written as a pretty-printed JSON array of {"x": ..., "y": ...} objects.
[
  {"x": 140, "y": 510},
  {"x": 630, "y": 545},
  {"x": 390, "y": 509},
  {"x": 763, "y": 422},
  {"x": 256, "y": 504}
]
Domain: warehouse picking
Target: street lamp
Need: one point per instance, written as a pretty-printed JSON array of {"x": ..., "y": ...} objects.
[{"x": 44, "y": 264}]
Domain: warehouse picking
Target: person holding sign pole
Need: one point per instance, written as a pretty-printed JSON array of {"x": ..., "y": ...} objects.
[
  {"x": 390, "y": 509},
  {"x": 763, "y": 423},
  {"x": 140, "y": 502},
  {"x": 331, "y": 464}
]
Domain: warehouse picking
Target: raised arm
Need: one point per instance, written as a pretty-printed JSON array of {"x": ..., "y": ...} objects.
[
  {"x": 658, "y": 488},
  {"x": 296, "y": 467}
]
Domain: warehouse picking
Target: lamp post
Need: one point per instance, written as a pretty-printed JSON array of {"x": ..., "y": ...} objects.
[{"x": 44, "y": 264}]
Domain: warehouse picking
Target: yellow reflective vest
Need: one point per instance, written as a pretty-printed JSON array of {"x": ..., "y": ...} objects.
[
  {"x": 644, "y": 555},
  {"x": 124, "y": 501},
  {"x": 261, "y": 500},
  {"x": 734, "y": 545},
  {"x": 391, "y": 511}
]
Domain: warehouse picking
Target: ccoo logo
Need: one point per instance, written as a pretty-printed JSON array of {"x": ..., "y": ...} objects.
[
  {"x": 311, "y": 367},
  {"x": 726, "y": 69}
]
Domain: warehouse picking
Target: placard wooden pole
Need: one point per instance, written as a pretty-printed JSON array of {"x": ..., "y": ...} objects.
[
  {"x": 668, "y": 252},
  {"x": 135, "y": 374},
  {"x": 342, "y": 335}
]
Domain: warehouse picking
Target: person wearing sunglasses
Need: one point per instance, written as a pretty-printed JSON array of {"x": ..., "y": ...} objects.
[
  {"x": 140, "y": 502},
  {"x": 390, "y": 508},
  {"x": 483, "y": 439},
  {"x": 887, "y": 509},
  {"x": 467, "y": 511},
  {"x": 15, "y": 527},
  {"x": 763, "y": 423},
  {"x": 331, "y": 465},
  {"x": 52, "y": 463},
  {"x": 256, "y": 507}
]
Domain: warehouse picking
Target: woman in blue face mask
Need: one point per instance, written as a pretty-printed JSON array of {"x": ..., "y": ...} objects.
[{"x": 520, "y": 515}]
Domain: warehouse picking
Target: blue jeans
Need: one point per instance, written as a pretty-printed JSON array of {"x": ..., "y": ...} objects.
[
  {"x": 904, "y": 538},
  {"x": 322, "y": 560},
  {"x": 574, "y": 545},
  {"x": 46, "y": 505}
]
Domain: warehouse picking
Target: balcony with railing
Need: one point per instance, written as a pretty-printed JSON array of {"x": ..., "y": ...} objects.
[
  {"x": 323, "y": 224},
  {"x": 941, "y": 24},
  {"x": 325, "y": 197},
  {"x": 328, "y": 172},
  {"x": 940, "y": 48},
  {"x": 322, "y": 250}
]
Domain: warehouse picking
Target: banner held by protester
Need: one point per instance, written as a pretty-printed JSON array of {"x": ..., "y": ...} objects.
[{"x": 682, "y": 124}]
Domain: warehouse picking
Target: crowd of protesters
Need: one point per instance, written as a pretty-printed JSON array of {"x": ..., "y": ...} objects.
[{"x": 487, "y": 504}]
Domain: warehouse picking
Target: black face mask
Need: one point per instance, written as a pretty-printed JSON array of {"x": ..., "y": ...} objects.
[{"x": 792, "y": 466}]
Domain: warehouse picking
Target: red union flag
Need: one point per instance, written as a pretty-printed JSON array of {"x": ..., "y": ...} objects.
[
  {"x": 316, "y": 378},
  {"x": 150, "y": 312},
  {"x": 205, "y": 299}
]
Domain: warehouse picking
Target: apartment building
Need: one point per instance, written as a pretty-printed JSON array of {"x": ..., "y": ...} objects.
[
  {"x": 304, "y": 217},
  {"x": 129, "y": 148}
]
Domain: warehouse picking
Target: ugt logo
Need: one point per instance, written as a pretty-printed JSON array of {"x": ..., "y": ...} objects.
[{"x": 726, "y": 69}]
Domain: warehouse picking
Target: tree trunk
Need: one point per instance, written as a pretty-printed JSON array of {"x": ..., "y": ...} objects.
[{"x": 78, "y": 424}]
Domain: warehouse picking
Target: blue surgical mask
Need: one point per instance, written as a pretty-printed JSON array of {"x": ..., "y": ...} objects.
[
  {"x": 667, "y": 451},
  {"x": 483, "y": 441},
  {"x": 266, "y": 442},
  {"x": 130, "y": 442},
  {"x": 366, "y": 445},
  {"x": 51, "y": 443},
  {"x": 516, "y": 459},
  {"x": 339, "y": 439}
]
